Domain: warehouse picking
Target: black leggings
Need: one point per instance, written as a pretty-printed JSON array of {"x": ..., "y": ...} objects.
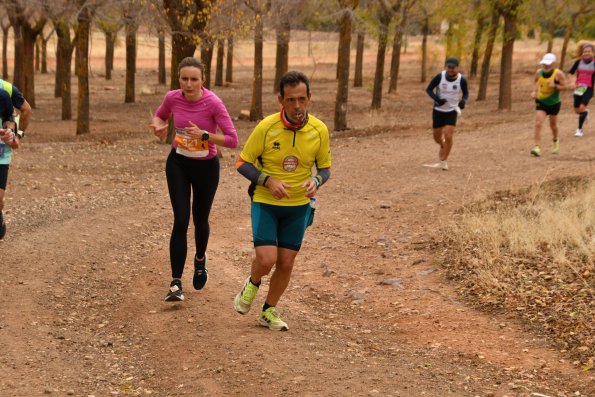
[{"x": 202, "y": 176}]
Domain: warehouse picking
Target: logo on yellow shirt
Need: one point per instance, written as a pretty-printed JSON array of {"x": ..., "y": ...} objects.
[{"x": 290, "y": 163}]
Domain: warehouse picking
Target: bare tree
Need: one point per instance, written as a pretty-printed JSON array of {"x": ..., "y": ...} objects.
[
  {"x": 510, "y": 10},
  {"x": 346, "y": 20},
  {"x": 43, "y": 40},
  {"x": 575, "y": 9},
  {"x": 110, "y": 22},
  {"x": 480, "y": 23},
  {"x": 487, "y": 55},
  {"x": 229, "y": 61},
  {"x": 384, "y": 13},
  {"x": 62, "y": 13},
  {"x": 131, "y": 18},
  {"x": 161, "y": 40},
  {"x": 206, "y": 57},
  {"x": 260, "y": 8},
  {"x": 425, "y": 11},
  {"x": 31, "y": 21},
  {"x": 358, "y": 78},
  {"x": 219, "y": 67},
  {"x": 84, "y": 17},
  {"x": 187, "y": 19},
  {"x": 5, "y": 25},
  {"x": 397, "y": 43}
]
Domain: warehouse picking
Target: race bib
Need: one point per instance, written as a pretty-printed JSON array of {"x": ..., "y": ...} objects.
[
  {"x": 190, "y": 146},
  {"x": 580, "y": 90}
]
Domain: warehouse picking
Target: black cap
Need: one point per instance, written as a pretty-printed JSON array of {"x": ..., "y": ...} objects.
[{"x": 452, "y": 62}]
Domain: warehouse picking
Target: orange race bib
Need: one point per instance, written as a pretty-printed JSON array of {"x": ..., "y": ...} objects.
[{"x": 190, "y": 146}]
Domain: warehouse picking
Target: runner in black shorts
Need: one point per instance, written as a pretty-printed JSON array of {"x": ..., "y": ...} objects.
[
  {"x": 549, "y": 81},
  {"x": 445, "y": 89},
  {"x": 583, "y": 87}
]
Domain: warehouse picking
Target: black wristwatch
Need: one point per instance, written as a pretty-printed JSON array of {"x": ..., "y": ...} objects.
[{"x": 205, "y": 136}]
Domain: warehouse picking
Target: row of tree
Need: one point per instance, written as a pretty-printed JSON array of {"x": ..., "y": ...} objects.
[{"x": 208, "y": 24}]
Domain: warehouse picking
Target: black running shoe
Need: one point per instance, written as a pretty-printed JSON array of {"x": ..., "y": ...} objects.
[
  {"x": 175, "y": 293},
  {"x": 2, "y": 226},
  {"x": 201, "y": 275}
]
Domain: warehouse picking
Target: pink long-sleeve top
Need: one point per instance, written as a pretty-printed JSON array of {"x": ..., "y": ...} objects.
[{"x": 208, "y": 113}]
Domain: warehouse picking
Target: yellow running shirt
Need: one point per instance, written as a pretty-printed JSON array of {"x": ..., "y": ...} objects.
[
  {"x": 545, "y": 94},
  {"x": 287, "y": 155}
]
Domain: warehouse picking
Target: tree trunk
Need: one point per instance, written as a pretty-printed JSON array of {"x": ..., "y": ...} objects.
[
  {"x": 424, "y": 49},
  {"x": 567, "y": 36},
  {"x": 82, "y": 68},
  {"x": 182, "y": 46},
  {"x": 110, "y": 40},
  {"x": 131, "y": 28},
  {"x": 550, "y": 44},
  {"x": 282, "y": 55},
  {"x": 380, "y": 55},
  {"x": 65, "y": 87},
  {"x": 44, "y": 54},
  {"x": 505, "y": 97},
  {"x": 161, "y": 73},
  {"x": 18, "y": 78},
  {"x": 256, "y": 105},
  {"x": 229, "y": 63},
  {"x": 5, "y": 52},
  {"x": 358, "y": 79},
  {"x": 37, "y": 55},
  {"x": 480, "y": 25},
  {"x": 28, "y": 89},
  {"x": 219, "y": 67},
  {"x": 206, "y": 57},
  {"x": 487, "y": 56},
  {"x": 395, "y": 63},
  {"x": 343, "y": 69}
]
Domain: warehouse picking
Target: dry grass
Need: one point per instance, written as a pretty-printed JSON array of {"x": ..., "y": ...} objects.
[{"x": 532, "y": 252}]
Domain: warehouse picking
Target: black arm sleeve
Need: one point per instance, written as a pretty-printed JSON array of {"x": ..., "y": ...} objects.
[
  {"x": 464, "y": 89},
  {"x": 574, "y": 67},
  {"x": 250, "y": 172},
  {"x": 433, "y": 84},
  {"x": 325, "y": 174}
]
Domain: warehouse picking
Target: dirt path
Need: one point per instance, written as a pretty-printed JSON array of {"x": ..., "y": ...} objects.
[{"x": 85, "y": 267}]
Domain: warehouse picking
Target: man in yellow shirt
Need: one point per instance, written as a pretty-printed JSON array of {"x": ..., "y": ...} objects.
[
  {"x": 278, "y": 159},
  {"x": 549, "y": 81}
]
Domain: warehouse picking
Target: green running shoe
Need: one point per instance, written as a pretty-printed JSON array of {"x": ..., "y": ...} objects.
[
  {"x": 243, "y": 300},
  {"x": 555, "y": 147},
  {"x": 270, "y": 318}
]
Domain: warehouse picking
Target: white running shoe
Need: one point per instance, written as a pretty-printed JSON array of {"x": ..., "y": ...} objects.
[
  {"x": 578, "y": 132},
  {"x": 444, "y": 165}
]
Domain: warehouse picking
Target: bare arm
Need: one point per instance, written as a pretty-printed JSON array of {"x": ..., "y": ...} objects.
[{"x": 25, "y": 111}]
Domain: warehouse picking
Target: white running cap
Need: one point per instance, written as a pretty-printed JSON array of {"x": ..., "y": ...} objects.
[{"x": 548, "y": 59}]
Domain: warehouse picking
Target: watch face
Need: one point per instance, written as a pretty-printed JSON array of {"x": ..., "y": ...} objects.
[{"x": 205, "y": 136}]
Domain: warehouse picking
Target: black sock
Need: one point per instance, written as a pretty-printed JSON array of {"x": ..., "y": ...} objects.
[
  {"x": 265, "y": 307},
  {"x": 253, "y": 283},
  {"x": 582, "y": 116},
  {"x": 177, "y": 282}
]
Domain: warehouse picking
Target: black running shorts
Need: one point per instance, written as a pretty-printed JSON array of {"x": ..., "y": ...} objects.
[
  {"x": 3, "y": 176},
  {"x": 550, "y": 110},
  {"x": 440, "y": 119},
  {"x": 583, "y": 99}
]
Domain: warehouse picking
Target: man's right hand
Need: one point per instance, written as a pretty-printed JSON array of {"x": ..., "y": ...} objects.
[{"x": 277, "y": 188}]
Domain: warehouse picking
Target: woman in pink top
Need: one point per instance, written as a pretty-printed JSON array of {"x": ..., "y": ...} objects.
[
  {"x": 584, "y": 68},
  {"x": 192, "y": 165}
]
